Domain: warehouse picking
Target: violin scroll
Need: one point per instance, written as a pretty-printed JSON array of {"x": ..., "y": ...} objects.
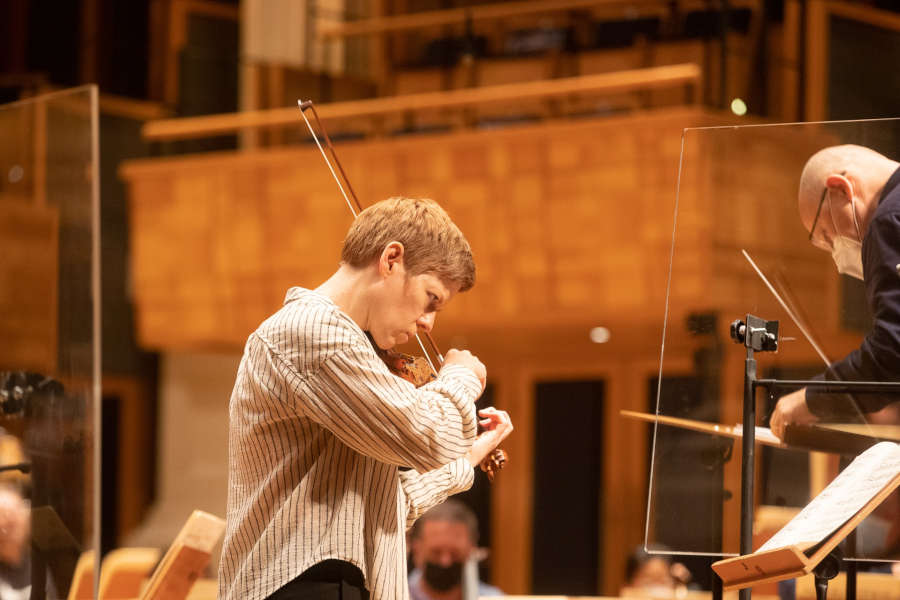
[{"x": 495, "y": 461}]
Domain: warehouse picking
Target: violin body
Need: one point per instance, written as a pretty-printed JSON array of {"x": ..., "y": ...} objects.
[{"x": 415, "y": 370}]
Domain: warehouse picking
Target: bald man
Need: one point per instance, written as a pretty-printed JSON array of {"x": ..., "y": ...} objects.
[{"x": 849, "y": 201}]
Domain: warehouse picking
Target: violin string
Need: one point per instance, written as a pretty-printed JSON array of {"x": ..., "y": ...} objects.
[{"x": 302, "y": 105}]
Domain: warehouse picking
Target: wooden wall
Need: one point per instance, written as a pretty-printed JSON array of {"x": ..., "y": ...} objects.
[
  {"x": 571, "y": 225},
  {"x": 28, "y": 286}
]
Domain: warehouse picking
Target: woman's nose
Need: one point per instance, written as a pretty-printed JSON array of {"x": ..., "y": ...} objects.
[{"x": 426, "y": 322}]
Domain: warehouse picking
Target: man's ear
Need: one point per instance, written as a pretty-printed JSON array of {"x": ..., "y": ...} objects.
[
  {"x": 415, "y": 545},
  {"x": 838, "y": 182},
  {"x": 391, "y": 259}
]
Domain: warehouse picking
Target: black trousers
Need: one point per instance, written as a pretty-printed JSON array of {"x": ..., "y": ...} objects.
[{"x": 327, "y": 580}]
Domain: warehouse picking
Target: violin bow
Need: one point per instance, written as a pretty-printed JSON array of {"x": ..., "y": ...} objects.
[
  {"x": 353, "y": 202},
  {"x": 497, "y": 458}
]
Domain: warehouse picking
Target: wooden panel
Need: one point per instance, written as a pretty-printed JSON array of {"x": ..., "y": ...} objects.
[
  {"x": 505, "y": 11},
  {"x": 612, "y": 60},
  {"x": 218, "y": 239},
  {"x": 417, "y": 81},
  {"x": 499, "y": 71},
  {"x": 29, "y": 270},
  {"x": 816, "y": 66},
  {"x": 790, "y": 69},
  {"x": 603, "y": 83}
]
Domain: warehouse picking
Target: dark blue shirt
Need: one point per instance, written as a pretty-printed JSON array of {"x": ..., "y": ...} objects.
[{"x": 878, "y": 357}]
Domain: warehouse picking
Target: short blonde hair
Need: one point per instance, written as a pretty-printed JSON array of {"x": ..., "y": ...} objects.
[{"x": 432, "y": 242}]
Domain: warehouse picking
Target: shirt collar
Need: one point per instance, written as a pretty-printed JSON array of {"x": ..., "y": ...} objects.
[{"x": 893, "y": 182}]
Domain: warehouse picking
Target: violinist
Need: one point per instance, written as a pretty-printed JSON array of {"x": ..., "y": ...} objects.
[{"x": 318, "y": 504}]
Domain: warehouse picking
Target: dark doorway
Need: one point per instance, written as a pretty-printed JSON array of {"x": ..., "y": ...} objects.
[{"x": 568, "y": 472}]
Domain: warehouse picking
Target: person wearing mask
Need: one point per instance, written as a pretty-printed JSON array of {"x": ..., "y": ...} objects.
[
  {"x": 15, "y": 556},
  {"x": 654, "y": 575},
  {"x": 444, "y": 545},
  {"x": 849, "y": 202}
]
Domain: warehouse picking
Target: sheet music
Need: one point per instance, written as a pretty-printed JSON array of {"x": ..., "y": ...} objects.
[{"x": 869, "y": 473}]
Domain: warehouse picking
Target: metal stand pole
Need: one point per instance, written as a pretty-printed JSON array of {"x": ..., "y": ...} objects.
[
  {"x": 758, "y": 335},
  {"x": 852, "y": 567},
  {"x": 748, "y": 457}
]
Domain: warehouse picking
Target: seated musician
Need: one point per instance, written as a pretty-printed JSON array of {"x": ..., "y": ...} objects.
[
  {"x": 849, "y": 201},
  {"x": 443, "y": 542},
  {"x": 15, "y": 557},
  {"x": 318, "y": 504},
  {"x": 654, "y": 575}
]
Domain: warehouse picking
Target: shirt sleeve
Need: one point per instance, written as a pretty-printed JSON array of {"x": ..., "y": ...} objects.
[
  {"x": 424, "y": 490},
  {"x": 878, "y": 357},
  {"x": 377, "y": 414}
]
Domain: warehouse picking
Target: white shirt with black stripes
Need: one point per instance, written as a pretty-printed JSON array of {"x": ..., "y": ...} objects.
[{"x": 318, "y": 429}]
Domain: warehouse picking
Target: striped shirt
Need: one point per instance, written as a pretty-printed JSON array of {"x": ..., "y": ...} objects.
[{"x": 318, "y": 429}]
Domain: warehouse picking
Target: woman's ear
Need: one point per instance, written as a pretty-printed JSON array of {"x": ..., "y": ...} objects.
[{"x": 391, "y": 259}]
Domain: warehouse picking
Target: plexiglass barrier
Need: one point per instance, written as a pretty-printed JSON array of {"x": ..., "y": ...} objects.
[
  {"x": 49, "y": 343},
  {"x": 742, "y": 246}
]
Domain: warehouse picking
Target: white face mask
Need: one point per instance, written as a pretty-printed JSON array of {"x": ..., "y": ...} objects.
[
  {"x": 847, "y": 252},
  {"x": 847, "y": 255}
]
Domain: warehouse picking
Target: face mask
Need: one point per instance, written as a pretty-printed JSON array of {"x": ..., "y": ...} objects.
[
  {"x": 847, "y": 252},
  {"x": 847, "y": 255},
  {"x": 443, "y": 578}
]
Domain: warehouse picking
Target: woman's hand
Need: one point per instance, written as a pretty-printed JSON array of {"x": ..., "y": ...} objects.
[{"x": 497, "y": 425}]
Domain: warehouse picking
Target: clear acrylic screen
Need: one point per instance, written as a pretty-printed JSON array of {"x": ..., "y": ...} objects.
[
  {"x": 737, "y": 192},
  {"x": 48, "y": 355}
]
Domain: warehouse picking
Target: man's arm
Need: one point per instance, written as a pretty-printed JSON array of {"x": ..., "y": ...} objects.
[
  {"x": 878, "y": 357},
  {"x": 377, "y": 414}
]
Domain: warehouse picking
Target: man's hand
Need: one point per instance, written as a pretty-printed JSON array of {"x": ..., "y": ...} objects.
[
  {"x": 791, "y": 410},
  {"x": 467, "y": 359},
  {"x": 497, "y": 426}
]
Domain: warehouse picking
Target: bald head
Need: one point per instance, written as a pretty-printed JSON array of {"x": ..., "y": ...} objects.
[{"x": 854, "y": 169}]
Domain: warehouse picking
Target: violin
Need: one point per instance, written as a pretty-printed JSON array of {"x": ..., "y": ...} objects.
[{"x": 416, "y": 370}]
